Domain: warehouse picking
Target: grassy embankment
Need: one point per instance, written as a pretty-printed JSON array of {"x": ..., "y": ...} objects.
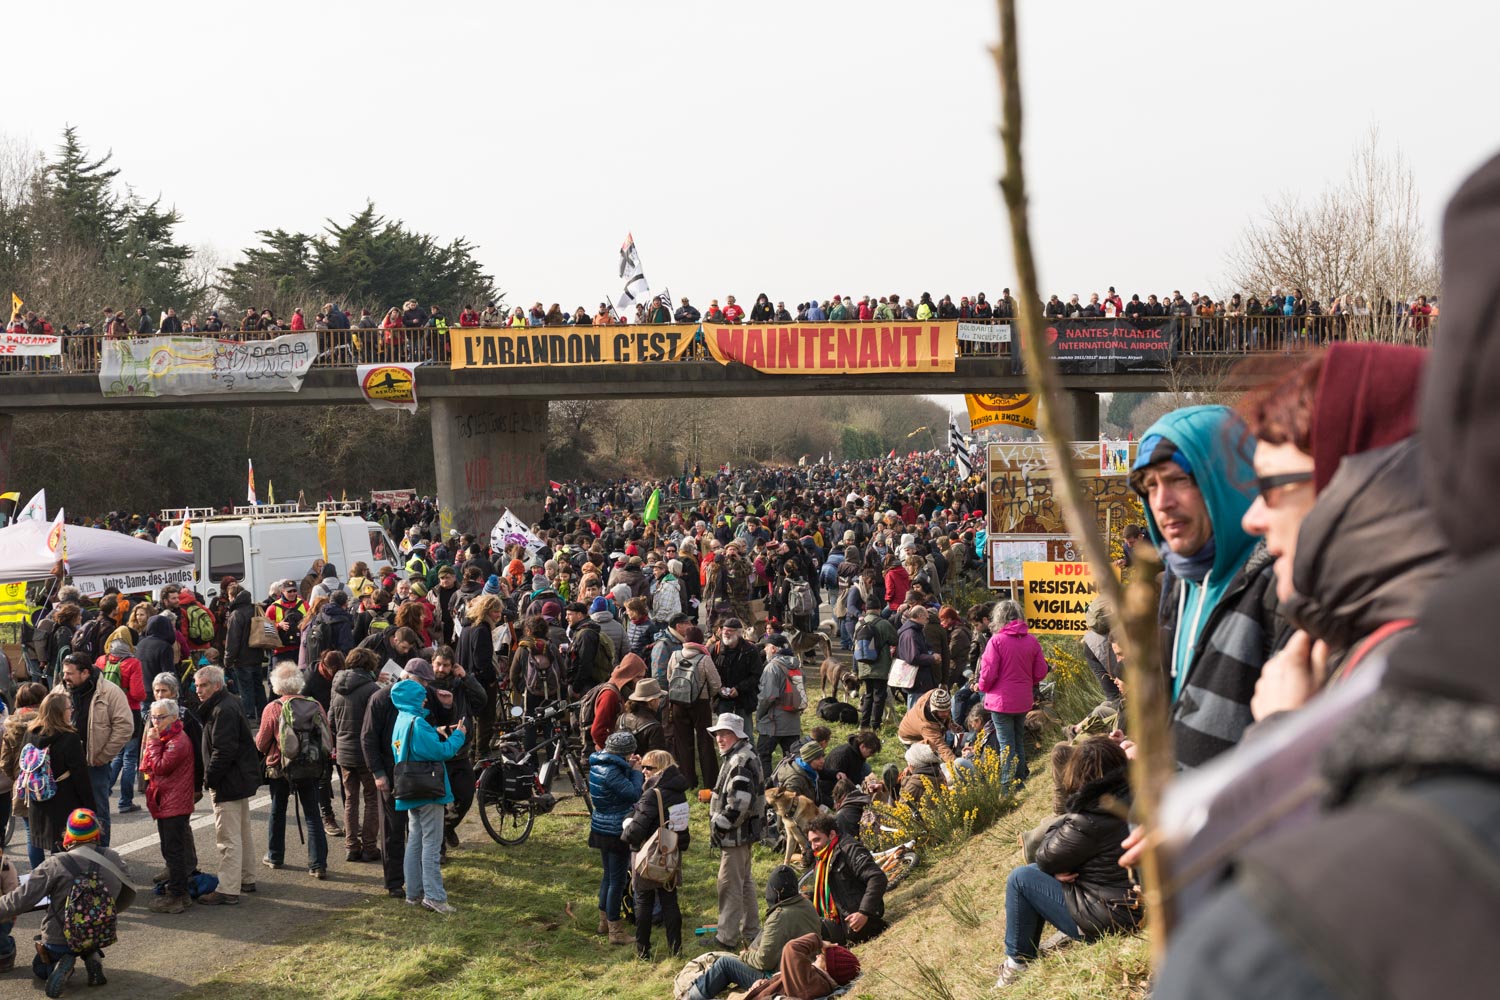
[{"x": 526, "y": 920}]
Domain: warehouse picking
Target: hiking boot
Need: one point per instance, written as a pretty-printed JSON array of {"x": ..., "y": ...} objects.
[
  {"x": 247, "y": 887},
  {"x": 353, "y": 856},
  {"x": 444, "y": 907},
  {"x": 618, "y": 934},
  {"x": 1056, "y": 942},
  {"x": 93, "y": 962},
  {"x": 331, "y": 827},
  {"x": 167, "y": 903},
  {"x": 8, "y": 963},
  {"x": 370, "y": 855},
  {"x": 129, "y": 807},
  {"x": 217, "y": 898},
  {"x": 62, "y": 971},
  {"x": 160, "y": 877},
  {"x": 321, "y": 874}
]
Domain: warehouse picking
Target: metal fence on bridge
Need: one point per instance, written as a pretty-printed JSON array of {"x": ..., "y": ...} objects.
[{"x": 1197, "y": 336}]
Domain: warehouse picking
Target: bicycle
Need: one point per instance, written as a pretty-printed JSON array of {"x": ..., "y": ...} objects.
[{"x": 513, "y": 790}]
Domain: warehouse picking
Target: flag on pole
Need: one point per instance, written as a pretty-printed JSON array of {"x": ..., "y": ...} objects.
[
  {"x": 554, "y": 484},
  {"x": 892, "y": 454},
  {"x": 15, "y": 306},
  {"x": 344, "y": 496},
  {"x": 35, "y": 509},
  {"x": 323, "y": 532},
  {"x": 57, "y": 539},
  {"x": 960, "y": 449},
  {"x": 8, "y": 503},
  {"x": 250, "y": 498},
  {"x": 185, "y": 537},
  {"x": 270, "y": 493},
  {"x": 653, "y": 507},
  {"x": 636, "y": 287}
]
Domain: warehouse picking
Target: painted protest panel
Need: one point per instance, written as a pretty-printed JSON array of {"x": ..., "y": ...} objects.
[
  {"x": 1057, "y": 597},
  {"x": 196, "y": 366}
]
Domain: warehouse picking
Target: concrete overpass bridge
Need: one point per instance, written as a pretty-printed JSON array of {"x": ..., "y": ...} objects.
[{"x": 489, "y": 423}]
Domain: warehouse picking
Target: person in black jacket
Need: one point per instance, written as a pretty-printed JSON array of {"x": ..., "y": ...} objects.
[
  {"x": 155, "y": 648},
  {"x": 662, "y": 775},
  {"x": 740, "y": 664},
  {"x": 231, "y": 772},
  {"x": 476, "y": 654},
  {"x": 375, "y": 743},
  {"x": 849, "y": 804},
  {"x": 244, "y": 665},
  {"x": 353, "y": 687},
  {"x": 465, "y": 698},
  {"x": 848, "y": 884},
  {"x": 851, "y": 758},
  {"x": 1076, "y": 882}
]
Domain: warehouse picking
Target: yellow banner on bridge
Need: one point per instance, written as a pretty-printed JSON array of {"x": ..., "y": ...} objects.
[
  {"x": 544, "y": 346},
  {"x": 909, "y": 347}
]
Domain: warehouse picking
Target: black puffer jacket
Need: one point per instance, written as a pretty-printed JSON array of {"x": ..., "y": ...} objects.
[
  {"x": 1086, "y": 841},
  {"x": 155, "y": 648},
  {"x": 237, "y": 649},
  {"x": 857, "y": 881},
  {"x": 644, "y": 819},
  {"x": 352, "y": 691}
]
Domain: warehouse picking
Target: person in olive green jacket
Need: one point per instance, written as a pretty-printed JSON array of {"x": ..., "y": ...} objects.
[
  {"x": 881, "y": 635},
  {"x": 789, "y": 915}
]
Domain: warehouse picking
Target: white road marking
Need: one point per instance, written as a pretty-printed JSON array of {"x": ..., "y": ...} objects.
[{"x": 197, "y": 824}]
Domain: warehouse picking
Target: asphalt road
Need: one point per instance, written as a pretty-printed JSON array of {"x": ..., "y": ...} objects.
[{"x": 162, "y": 955}]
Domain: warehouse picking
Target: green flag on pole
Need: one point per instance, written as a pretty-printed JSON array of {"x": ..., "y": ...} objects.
[{"x": 653, "y": 506}]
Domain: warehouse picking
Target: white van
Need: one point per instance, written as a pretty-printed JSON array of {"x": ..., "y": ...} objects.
[{"x": 260, "y": 545}]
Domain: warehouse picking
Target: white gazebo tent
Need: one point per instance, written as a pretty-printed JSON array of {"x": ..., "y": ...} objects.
[{"x": 97, "y": 559}]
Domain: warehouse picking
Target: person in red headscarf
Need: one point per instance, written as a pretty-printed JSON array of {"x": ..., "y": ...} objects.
[{"x": 1341, "y": 509}]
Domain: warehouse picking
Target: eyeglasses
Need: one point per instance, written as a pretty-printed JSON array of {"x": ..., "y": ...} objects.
[
  {"x": 647, "y": 767},
  {"x": 1268, "y": 485}
]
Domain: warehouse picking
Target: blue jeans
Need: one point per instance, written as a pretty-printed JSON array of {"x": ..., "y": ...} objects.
[
  {"x": 44, "y": 969},
  {"x": 250, "y": 686},
  {"x": 424, "y": 842},
  {"x": 846, "y": 633},
  {"x": 726, "y": 972},
  {"x": 317, "y": 840},
  {"x": 1010, "y": 743},
  {"x": 99, "y": 781},
  {"x": 7, "y": 943},
  {"x": 612, "y": 883},
  {"x": 34, "y": 854},
  {"x": 1033, "y": 899},
  {"x": 123, "y": 768}
]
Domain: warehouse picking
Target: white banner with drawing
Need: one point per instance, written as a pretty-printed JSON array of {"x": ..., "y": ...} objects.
[{"x": 195, "y": 366}]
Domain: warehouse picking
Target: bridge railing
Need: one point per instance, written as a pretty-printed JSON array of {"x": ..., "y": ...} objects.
[{"x": 1228, "y": 336}]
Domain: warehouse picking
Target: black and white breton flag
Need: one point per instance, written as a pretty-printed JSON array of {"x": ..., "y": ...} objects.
[
  {"x": 960, "y": 449},
  {"x": 631, "y": 273}
]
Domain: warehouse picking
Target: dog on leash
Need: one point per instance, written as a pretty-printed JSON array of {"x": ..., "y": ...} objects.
[
  {"x": 836, "y": 675},
  {"x": 797, "y": 813},
  {"x": 805, "y": 643}
]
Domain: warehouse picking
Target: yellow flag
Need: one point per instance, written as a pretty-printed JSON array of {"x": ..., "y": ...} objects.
[
  {"x": 185, "y": 539},
  {"x": 15, "y": 305},
  {"x": 988, "y": 410},
  {"x": 323, "y": 532},
  {"x": 270, "y": 493}
]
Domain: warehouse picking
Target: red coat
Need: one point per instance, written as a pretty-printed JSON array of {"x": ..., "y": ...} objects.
[
  {"x": 131, "y": 681},
  {"x": 168, "y": 759}
]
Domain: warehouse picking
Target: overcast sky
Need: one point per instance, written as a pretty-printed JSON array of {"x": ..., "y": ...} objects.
[{"x": 800, "y": 149}]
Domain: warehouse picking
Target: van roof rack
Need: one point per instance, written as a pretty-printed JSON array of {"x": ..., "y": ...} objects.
[
  {"x": 262, "y": 512},
  {"x": 341, "y": 506}
]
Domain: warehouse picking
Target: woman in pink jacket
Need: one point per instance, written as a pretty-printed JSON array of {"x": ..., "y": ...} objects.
[{"x": 1011, "y": 667}]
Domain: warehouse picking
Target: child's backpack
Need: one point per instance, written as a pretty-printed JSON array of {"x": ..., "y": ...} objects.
[{"x": 88, "y": 916}]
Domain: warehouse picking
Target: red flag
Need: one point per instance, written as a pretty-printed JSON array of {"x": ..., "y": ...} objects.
[
  {"x": 892, "y": 454},
  {"x": 554, "y": 485}
]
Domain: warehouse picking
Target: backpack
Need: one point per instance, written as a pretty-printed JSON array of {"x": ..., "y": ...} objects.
[
  {"x": 381, "y": 621},
  {"x": 866, "y": 648},
  {"x": 319, "y": 640},
  {"x": 86, "y": 639},
  {"x": 200, "y": 624},
  {"x": 793, "y": 691},
  {"x": 800, "y": 599},
  {"x": 683, "y": 680},
  {"x": 604, "y": 657},
  {"x": 536, "y": 683},
  {"x": 590, "y": 703},
  {"x": 88, "y": 914},
  {"x": 35, "y": 782},
  {"x": 659, "y": 860},
  {"x": 64, "y": 649},
  {"x": 112, "y": 671},
  {"x": 303, "y": 738}
]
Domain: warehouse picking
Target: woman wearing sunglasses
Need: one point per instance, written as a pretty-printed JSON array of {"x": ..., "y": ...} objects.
[{"x": 1340, "y": 506}]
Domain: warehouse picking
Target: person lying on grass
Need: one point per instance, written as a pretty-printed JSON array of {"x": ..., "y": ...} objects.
[{"x": 1075, "y": 882}]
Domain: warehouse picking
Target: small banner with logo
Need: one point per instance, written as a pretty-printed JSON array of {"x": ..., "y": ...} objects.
[{"x": 389, "y": 386}]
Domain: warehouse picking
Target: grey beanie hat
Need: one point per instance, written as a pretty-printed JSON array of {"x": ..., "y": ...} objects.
[{"x": 621, "y": 743}]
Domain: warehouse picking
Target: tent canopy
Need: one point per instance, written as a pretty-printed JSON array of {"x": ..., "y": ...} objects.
[{"x": 97, "y": 559}]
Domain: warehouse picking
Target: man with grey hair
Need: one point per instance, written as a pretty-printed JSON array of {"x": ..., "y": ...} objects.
[{"x": 231, "y": 773}]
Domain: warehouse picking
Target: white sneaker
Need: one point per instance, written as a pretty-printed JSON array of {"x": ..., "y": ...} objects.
[
  {"x": 1009, "y": 973},
  {"x": 437, "y": 907}
]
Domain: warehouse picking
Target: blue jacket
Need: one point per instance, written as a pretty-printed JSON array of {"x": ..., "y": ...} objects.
[
  {"x": 414, "y": 738},
  {"x": 615, "y": 787}
]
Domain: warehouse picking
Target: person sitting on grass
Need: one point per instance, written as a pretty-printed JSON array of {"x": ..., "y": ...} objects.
[
  {"x": 810, "y": 969},
  {"x": 1075, "y": 882},
  {"x": 848, "y": 884},
  {"x": 82, "y": 854},
  {"x": 789, "y": 916}
]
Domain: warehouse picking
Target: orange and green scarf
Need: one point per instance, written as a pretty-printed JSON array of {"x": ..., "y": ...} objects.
[{"x": 822, "y": 892}]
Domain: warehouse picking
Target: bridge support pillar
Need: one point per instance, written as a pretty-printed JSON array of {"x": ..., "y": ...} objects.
[
  {"x": 490, "y": 454},
  {"x": 1083, "y": 408}
]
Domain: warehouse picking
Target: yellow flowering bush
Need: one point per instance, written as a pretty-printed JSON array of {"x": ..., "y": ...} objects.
[{"x": 948, "y": 812}]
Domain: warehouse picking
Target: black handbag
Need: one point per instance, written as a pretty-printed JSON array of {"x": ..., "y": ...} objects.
[{"x": 420, "y": 779}]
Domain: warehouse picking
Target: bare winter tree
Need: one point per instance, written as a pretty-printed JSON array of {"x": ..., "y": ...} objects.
[{"x": 1361, "y": 245}]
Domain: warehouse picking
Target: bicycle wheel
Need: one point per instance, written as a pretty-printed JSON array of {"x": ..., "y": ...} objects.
[
  {"x": 506, "y": 821},
  {"x": 580, "y": 783},
  {"x": 896, "y": 874}
]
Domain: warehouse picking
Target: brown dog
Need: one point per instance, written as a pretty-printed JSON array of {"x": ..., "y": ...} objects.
[
  {"x": 803, "y": 643},
  {"x": 836, "y": 675},
  {"x": 797, "y": 812}
]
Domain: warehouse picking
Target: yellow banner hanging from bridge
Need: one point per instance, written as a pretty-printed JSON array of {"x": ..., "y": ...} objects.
[
  {"x": 837, "y": 348},
  {"x": 996, "y": 409},
  {"x": 544, "y": 346}
]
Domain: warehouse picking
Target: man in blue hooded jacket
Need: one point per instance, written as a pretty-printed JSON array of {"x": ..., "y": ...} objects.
[{"x": 1218, "y": 613}]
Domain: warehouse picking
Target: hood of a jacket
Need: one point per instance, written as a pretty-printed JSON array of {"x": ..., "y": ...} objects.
[
  {"x": 601, "y": 617},
  {"x": 1366, "y": 398},
  {"x": 670, "y": 780},
  {"x": 1369, "y": 551},
  {"x": 693, "y": 651},
  {"x": 1017, "y": 627},
  {"x": 241, "y": 600},
  {"x": 411, "y": 697},
  {"x": 160, "y": 627},
  {"x": 1216, "y": 444},
  {"x": 631, "y": 668},
  {"x": 346, "y": 682},
  {"x": 334, "y": 611}
]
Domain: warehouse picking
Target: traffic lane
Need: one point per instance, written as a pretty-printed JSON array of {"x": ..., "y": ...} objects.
[{"x": 161, "y": 954}]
